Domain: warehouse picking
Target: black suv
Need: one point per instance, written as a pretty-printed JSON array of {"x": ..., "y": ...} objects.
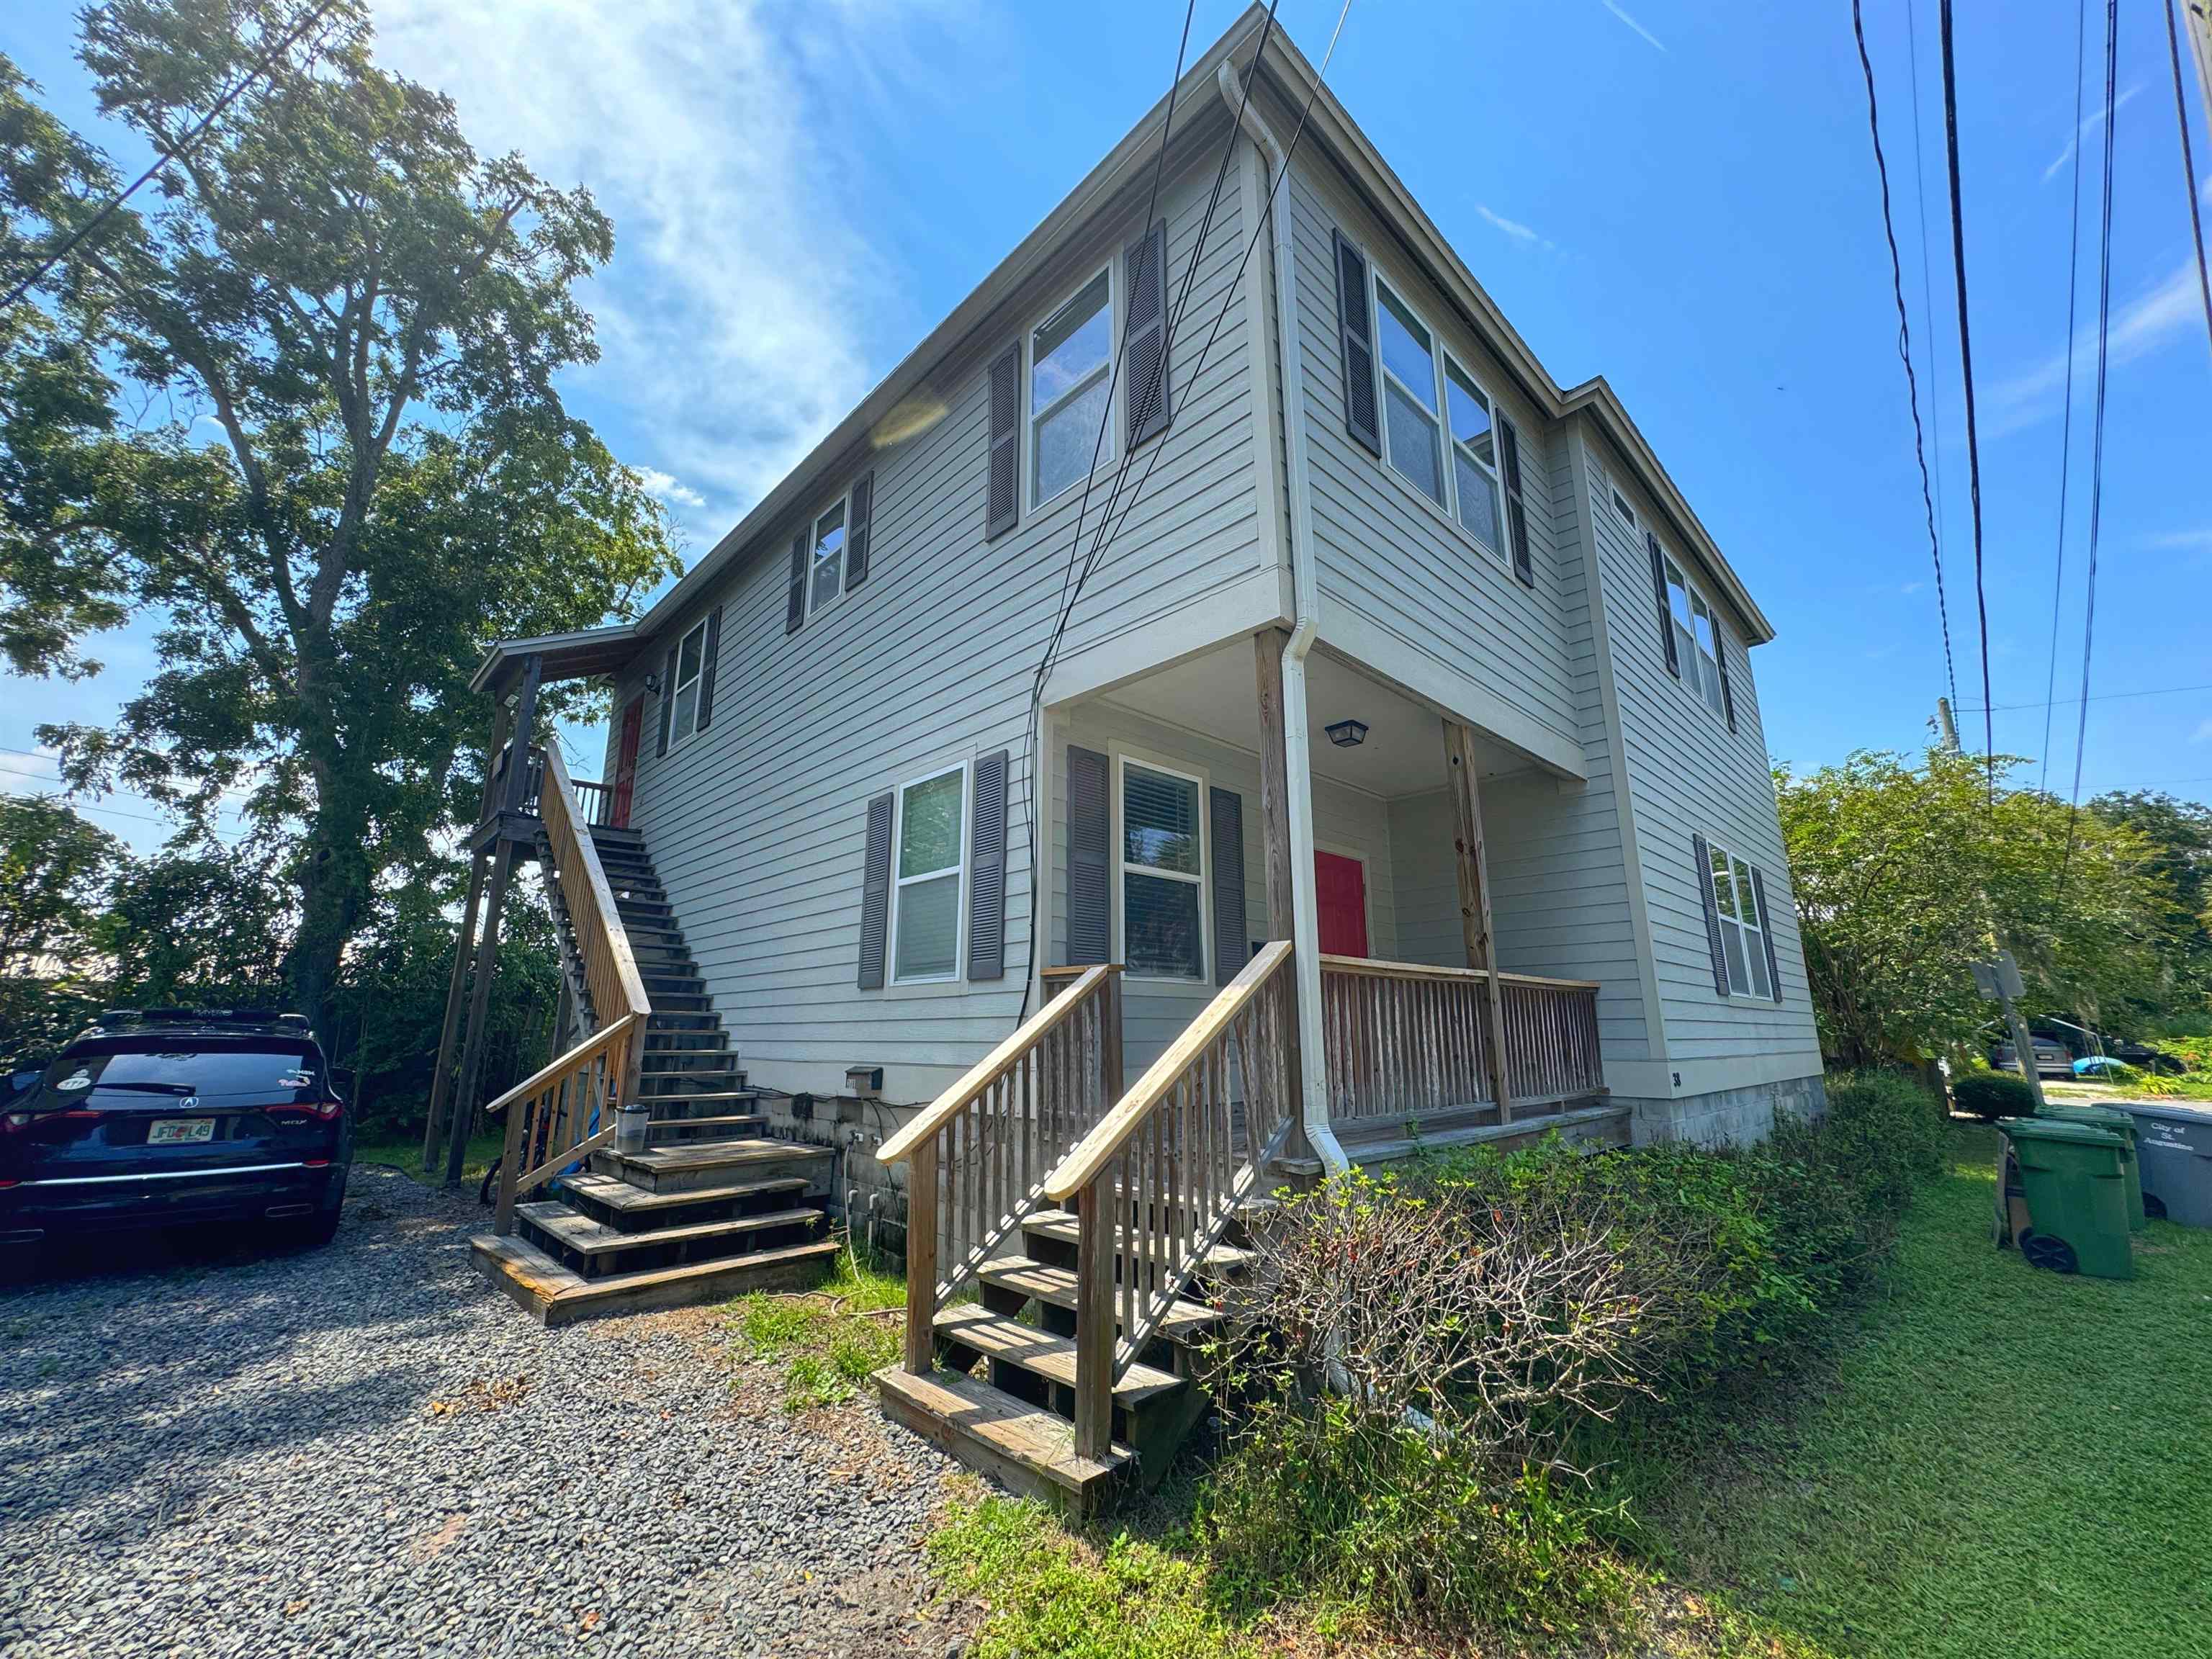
[{"x": 164, "y": 1117}]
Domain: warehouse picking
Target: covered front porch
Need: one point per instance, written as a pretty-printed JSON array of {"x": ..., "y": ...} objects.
[{"x": 1170, "y": 856}]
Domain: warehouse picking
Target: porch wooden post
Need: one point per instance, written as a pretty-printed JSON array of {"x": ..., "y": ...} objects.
[
  {"x": 465, "y": 1084},
  {"x": 1277, "y": 853},
  {"x": 442, "y": 1081},
  {"x": 526, "y": 729},
  {"x": 1474, "y": 867},
  {"x": 1094, "y": 1320},
  {"x": 922, "y": 1258}
]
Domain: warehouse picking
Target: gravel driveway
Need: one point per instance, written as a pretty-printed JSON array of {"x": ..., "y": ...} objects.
[{"x": 367, "y": 1450}]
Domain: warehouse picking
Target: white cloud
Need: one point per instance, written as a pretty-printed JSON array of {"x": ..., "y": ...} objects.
[
  {"x": 1634, "y": 24},
  {"x": 2184, "y": 541},
  {"x": 2081, "y": 134},
  {"x": 1912, "y": 587},
  {"x": 1516, "y": 229},
  {"x": 2136, "y": 328},
  {"x": 668, "y": 488},
  {"x": 2202, "y": 734},
  {"x": 37, "y": 769},
  {"x": 733, "y": 317}
]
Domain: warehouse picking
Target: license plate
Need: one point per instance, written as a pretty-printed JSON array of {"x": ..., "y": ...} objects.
[{"x": 177, "y": 1131}]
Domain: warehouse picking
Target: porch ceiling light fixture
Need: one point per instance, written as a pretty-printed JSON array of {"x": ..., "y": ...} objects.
[{"x": 1348, "y": 734}]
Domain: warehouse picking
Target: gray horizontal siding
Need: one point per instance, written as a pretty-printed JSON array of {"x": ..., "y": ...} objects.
[
  {"x": 1688, "y": 774},
  {"x": 756, "y": 825}
]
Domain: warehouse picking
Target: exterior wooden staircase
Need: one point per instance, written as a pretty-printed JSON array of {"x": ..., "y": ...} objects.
[
  {"x": 1067, "y": 1241},
  {"x": 709, "y": 1206}
]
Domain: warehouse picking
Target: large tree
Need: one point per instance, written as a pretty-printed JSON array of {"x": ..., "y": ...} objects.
[
  {"x": 54, "y": 872},
  {"x": 300, "y": 405},
  {"x": 1906, "y": 874}
]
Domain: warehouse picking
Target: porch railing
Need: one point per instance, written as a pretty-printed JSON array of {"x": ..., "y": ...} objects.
[
  {"x": 568, "y": 1110},
  {"x": 597, "y": 801},
  {"x": 1158, "y": 1179},
  {"x": 1405, "y": 1039},
  {"x": 977, "y": 1156}
]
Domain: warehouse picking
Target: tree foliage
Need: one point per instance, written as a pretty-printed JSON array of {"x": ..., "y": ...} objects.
[
  {"x": 54, "y": 868},
  {"x": 1906, "y": 874},
  {"x": 370, "y": 318}
]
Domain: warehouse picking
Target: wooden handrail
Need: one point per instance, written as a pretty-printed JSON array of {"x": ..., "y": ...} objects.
[
  {"x": 1378, "y": 970},
  {"x": 609, "y": 969},
  {"x": 995, "y": 1065},
  {"x": 1082, "y": 1166},
  {"x": 546, "y": 1077}
]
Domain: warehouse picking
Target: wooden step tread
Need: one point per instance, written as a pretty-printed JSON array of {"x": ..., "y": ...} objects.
[
  {"x": 580, "y": 1232},
  {"x": 727, "y": 1126},
  {"x": 1186, "y": 1321},
  {"x": 716, "y": 1154},
  {"x": 618, "y": 1195},
  {"x": 555, "y": 1295},
  {"x": 998, "y": 1337},
  {"x": 985, "y": 1427},
  {"x": 1060, "y": 1225}
]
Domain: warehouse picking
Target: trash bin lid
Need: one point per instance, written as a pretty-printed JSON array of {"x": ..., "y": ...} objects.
[
  {"x": 2057, "y": 1128},
  {"x": 2081, "y": 1111},
  {"x": 2171, "y": 1112}
]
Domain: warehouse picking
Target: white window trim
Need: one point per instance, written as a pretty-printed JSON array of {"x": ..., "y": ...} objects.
[
  {"x": 1109, "y": 451},
  {"x": 844, "y": 554},
  {"x": 1445, "y": 511},
  {"x": 1754, "y": 933},
  {"x": 892, "y": 976},
  {"x": 1123, "y": 759},
  {"x": 675, "y": 739},
  {"x": 1693, "y": 676}
]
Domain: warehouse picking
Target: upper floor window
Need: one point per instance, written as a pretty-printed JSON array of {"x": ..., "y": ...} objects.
[
  {"x": 932, "y": 839},
  {"x": 1439, "y": 426},
  {"x": 1162, "y": 873},
  {"x": 1743, "y": 928},
  {"x": 1071, "y": 360},
  {"x": 826, "y": 559},
  {"x": 690, "y": 662},
  {"x": 1697, "y": 639}
]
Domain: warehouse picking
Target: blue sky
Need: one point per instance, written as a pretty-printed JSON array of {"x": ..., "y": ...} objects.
[{"x": 1680, "y": 197}]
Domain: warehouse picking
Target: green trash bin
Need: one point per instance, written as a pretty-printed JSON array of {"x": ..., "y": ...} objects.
[
  {"x": 2075, "y": 1178},
  {"x": 2120, "y": 1123}
]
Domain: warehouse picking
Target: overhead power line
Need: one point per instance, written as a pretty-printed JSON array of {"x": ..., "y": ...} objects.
[
  {"x": 1927, "y": 300},
  {"x": 2102, "y": 697},
  {"x": 2189, "y": 170},
  {"x": 191, "y": 136},
  {"x": 1904, "y": 345},
  {"x": 2066, "y": 437}
]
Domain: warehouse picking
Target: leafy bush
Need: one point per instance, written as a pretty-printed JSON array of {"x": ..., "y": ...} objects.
[
  {"x": 1883, "y": 1134},
  {"x": 1989, "y": 1095}
]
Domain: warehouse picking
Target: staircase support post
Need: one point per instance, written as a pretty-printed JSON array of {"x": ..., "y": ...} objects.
[
  {"x": 442, "y": 1081},
  {"x": 465, "y": 1084},
  {"x": 1094, "y": 1320},
  {"x": 921, "y": 1259},
  {"x": 1473, "y": 865}
]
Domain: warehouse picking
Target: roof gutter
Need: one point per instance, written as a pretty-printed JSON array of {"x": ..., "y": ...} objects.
[{"x": 1297, "y": 751}]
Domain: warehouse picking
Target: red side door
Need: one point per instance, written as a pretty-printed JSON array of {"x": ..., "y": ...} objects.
[
  {"x": 1340, "y": 887},
  {"x": 626, "y": 763}
]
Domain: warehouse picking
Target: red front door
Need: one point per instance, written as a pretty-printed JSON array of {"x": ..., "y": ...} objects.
[
  {"x": 1340, "y": 887},
  {"x": 626, "y": 763}
]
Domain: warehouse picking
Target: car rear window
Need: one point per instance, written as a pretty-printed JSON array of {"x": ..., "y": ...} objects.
[{"x": 212, "y": 1070}]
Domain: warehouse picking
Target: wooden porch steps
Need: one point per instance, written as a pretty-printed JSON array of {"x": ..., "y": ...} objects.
[
  {"x": 1023, "y": 1446},
  {"x": 711, "y": 1208}
]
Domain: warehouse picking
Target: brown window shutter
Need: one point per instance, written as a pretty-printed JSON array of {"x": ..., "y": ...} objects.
[
  {"x": 1666, "y": 613},
  {"x": 1230, "y": 948},
  {"x": 794, "y": 609},
  {"x": 1355, "y": 323},
  {"x": 858, "y": 522},
  {"x": 1089, "y": 927},
  {"x": 1720, "y": 656},
  {"x": 1516, "y": 514},
  {"x": 1766, "y": 930},
  {"x": 876, "y": 893},
  {"x": 1002, "y": 509},
  {"x": 706, "y": 667},
  {"x": 987, "y": 880},
  {"x": 667, "y": 701},
  {"x": 1146, "y": 330},
  {"x": 1703, "y": 854}
]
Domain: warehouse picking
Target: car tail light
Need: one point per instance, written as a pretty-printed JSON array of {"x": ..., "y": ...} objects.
[{"x": 329, "y": 1110}]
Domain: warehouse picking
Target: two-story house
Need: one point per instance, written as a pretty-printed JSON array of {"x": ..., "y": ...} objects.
[{"x": 1223, "y": 598}]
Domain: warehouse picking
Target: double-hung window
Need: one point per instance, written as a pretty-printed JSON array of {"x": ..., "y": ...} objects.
[
  {"x": 1071, "y": 359},
  {"x": 1163, "y": 873},
  {"x": 931, "y": 843},
  {"x": 826, "y": 558},
  {"x": 1697, "y": 639},
  {"x": 1743, "y": 929},
  {"x": 1439, "y": 426},
  {"x": 691, "y": 660}
]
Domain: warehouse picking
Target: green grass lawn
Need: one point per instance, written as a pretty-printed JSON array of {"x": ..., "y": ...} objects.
[
  {"x": 2002, "y": 1461},
  {"x": 407, "y": 1155}
]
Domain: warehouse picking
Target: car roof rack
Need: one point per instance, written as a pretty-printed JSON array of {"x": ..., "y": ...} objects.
[{"x": 203, "y": 1016}]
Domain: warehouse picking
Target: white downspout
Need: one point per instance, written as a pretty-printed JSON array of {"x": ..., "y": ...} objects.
[{"x": 1297, "y": 755}]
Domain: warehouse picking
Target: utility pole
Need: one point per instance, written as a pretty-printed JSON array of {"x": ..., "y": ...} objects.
[{"x": 2000, "y": 977}]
